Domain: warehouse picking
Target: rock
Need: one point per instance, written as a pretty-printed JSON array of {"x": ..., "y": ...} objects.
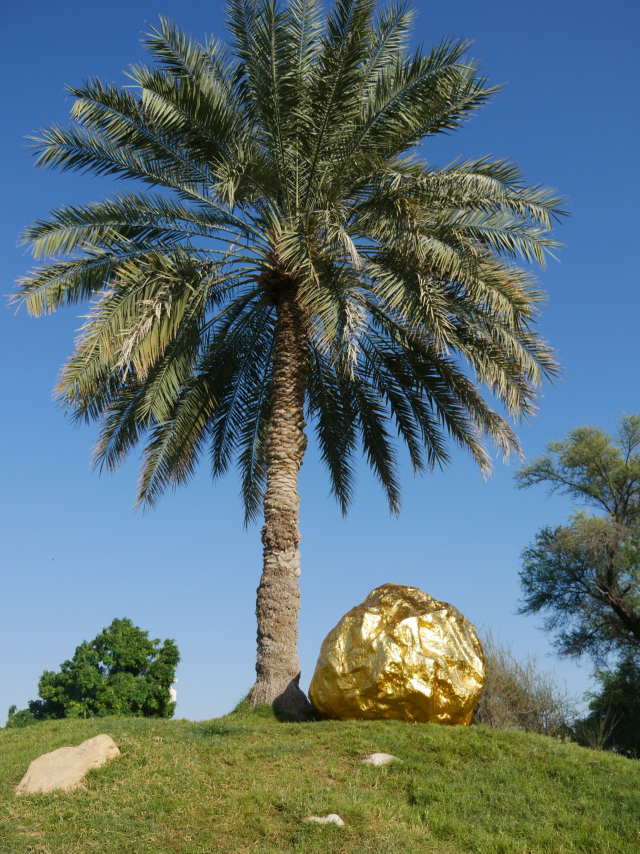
[
  {"x": 401, "y": 654},
  {"x": 332, "y": 818},
  {"x": 66, "y": 767},
  {"x": 379, "y": 759}
]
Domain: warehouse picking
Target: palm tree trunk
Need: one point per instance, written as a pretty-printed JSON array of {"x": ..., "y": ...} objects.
[{"x": 277, "y": 666}]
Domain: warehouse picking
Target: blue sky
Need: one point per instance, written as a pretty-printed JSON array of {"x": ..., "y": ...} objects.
[{"x": 73, "y": 552}]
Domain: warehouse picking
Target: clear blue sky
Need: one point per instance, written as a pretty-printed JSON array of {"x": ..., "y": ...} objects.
[{"x": 73, "y": 552}]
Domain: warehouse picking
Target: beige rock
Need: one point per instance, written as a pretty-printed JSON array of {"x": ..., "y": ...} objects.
[
  {"x": 379, "y": 759},
  {"x": 65, "y": 768},
  {"x": 332, "y": 818}
]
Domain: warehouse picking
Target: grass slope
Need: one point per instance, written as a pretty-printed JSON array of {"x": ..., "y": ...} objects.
[{"x": 245, "y": 782}]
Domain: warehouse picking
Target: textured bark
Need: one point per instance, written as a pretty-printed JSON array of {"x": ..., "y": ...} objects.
[{"x": 277, "y": 666}]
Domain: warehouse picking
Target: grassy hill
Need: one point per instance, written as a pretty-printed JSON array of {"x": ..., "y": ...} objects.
[{"x": 245, "y": 782}]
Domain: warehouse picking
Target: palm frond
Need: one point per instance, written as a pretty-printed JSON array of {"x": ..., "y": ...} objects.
[{"x": 286, "y": 162}]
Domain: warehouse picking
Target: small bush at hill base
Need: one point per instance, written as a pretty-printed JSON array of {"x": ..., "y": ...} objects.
[{"x": 517, "y": 695}]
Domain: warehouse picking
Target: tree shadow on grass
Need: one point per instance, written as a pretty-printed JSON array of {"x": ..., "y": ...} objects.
[{"x": 265, "y": 711}]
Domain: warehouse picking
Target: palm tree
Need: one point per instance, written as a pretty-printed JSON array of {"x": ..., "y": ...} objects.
[{"x": 294, "y": 260}]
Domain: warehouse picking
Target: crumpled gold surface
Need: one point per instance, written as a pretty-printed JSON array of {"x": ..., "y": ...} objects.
[{"x": 401, "y": 654}]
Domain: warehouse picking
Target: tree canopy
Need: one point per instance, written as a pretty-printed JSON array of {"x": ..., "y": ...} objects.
[
  {"x": 290, "y": 156},
  {"x": 585, "y": 576},
  {"x": 597, "y": 469},
  {"x": 119, "y": 672}
]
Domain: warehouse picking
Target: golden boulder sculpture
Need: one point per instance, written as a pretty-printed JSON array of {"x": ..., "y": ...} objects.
[{"x": 403, "y": 655}]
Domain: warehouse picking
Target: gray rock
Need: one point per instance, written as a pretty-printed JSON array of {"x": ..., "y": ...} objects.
[
  {"x": 332, "y": 818},
  {"x": 380, "y": 759},
  {"x": 65, "y": 768}
]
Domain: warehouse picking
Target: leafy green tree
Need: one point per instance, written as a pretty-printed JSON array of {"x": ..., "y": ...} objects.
[
  {"x": 595, "y": 468},
  {"x": 18, "y": 719},
  {"x": 615, "y": 709},
  {"x": 585, "y": 576},
  {"x": 120, "y": 672},
  {"x": 619, "y": 703},
  {"x": 296, "y": 262}
]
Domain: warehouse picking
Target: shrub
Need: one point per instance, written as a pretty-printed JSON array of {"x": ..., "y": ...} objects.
[
  {"x": 20, "y": 718},
  {"x": 518, "y": 695},
  {"x": 614, "y": 722}
]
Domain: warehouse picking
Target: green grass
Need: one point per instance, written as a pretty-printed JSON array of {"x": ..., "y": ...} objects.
[{"x": 245, "y": 783}]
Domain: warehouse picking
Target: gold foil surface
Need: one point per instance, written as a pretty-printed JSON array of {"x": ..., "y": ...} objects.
[{"x": 400, "y": 655}]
